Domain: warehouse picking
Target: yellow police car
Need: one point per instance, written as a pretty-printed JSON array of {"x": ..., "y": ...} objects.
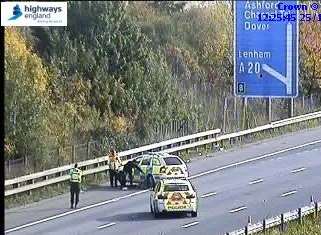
[
  {"x": 157, "y": 166},
  {"x": 173, "y": 195}
]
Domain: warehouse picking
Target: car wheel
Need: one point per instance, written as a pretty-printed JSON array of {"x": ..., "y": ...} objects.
[{"x": 194, "y": 213}]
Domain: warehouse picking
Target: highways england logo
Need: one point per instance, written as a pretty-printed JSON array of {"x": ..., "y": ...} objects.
[
  {"x": 38, "y": 12},
  {"x": 34, "y": 13},
  {"x": 16, "y": 12}
]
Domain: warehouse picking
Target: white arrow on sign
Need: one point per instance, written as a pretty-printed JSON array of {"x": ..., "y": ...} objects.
[{"x": 288, "y": 79}]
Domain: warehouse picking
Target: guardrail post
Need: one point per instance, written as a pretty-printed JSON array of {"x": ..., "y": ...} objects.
[
  {"x": 311, "y": 199},
  {"x": 282, "y": 223},
  {"x": 212, "y": 145},
  {"x": 249, "y": 219},
  {"x": 300, "y": 215},
  {"x": 197, "y": 147}
]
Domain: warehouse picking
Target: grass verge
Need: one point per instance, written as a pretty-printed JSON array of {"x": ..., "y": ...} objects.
[{"x": 309, "y": 226}]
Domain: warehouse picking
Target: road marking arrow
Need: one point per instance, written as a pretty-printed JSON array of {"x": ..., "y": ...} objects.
[{"x": 288, "y": 79}]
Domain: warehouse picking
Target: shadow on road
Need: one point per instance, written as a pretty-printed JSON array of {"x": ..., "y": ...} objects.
[
  {"x": 97, "y": 187},
  {"x": 139, "y": 216}
]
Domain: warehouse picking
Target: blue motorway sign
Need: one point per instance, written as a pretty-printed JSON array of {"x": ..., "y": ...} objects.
[{"x": 265, "y": 49}]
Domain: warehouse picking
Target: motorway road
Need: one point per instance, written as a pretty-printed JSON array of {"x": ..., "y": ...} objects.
[{"x": 280, "y": 182}]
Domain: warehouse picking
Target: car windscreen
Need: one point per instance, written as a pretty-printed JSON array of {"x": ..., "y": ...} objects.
[
  {"x": 172, "y": 161},
  {"x": 175, "y": 187}
]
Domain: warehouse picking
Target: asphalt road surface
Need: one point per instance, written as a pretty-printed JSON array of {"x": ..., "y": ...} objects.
[{"x": 284, "y": 174}]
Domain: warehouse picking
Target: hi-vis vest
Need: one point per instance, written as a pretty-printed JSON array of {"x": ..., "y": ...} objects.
[
  {"x": 114, "y": 162},
  {"x": 75, "y": 175}
]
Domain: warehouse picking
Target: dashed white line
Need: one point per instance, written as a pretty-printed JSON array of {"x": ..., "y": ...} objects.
[
  {"x": 298, "y": 170},
  {"x": 256, "y": 181},
  {"x": 208, "y": 194},
  {"x": 253, "y": 159},
  {"x": 191, "y": 224},
  {"x": 289, "y": 193},
  {"x": 106, "y": 225},
  {"x": 143, "y": 191},
  {"x": 238, "y": 209}
]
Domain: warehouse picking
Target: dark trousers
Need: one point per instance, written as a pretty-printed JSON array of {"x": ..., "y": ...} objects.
[
  {"x": 74, "y": 191},
  {"x": 113, "y": 177},
  {"x": 130, "y": 175},
  {"x": 121, "y": 176}
]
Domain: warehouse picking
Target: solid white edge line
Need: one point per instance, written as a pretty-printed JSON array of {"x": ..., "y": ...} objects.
[
  {"x": 208, "y": 194},
  {"x": 256, "y": 181},
  {"x": 253, "y": 159},
  {"x": 74, "y": 211},
  {"x": 298, "y": 170},
  {"x": 190, "y": 224},
  {"x": 289, "y": 193},
  {"x": 106, "y": 225},
  {"x": 143, "y": 191},
  {"x": 238, "y": 209}
]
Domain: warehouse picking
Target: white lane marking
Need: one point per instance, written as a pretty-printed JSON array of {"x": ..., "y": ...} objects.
[
  {"x": 238, "y": 209},
  {"x": 256, "y": 181},
  {"x": 208, "y": 194},
  {"x": 190, "y": 224},
  {"x": 253, "y": 159},
  {"x": 289, "y": 193},
  {"x": 298, "y": 170},
  {"x": 143, "y": 191},
  {"x": 74, "y": 211},
  {"x": 106, "y": 225}
]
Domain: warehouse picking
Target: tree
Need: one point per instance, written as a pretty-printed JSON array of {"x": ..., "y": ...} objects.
[
  {"x": 26, "y": 98},
  {"x": 310, "y": 56}
]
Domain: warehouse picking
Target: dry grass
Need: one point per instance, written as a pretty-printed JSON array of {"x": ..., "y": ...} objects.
[{"x": 310, "y": 226}]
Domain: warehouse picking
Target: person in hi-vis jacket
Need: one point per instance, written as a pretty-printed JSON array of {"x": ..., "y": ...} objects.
[
  {"x": 75, "y": 181},
  {"x": 114, "y": 164}
]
